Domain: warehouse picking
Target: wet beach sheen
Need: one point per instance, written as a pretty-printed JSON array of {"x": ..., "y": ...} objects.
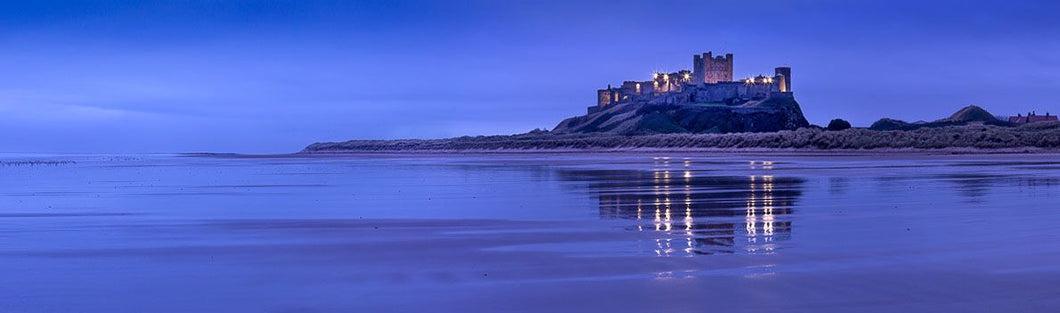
[{"x": 530, "y": 233}]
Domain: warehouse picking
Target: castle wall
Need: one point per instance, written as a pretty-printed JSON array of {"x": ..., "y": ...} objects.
[
  {"x": 715, "y": 93},
  {"x": 755, "y": 90},
  {"x": 636, "y": 88}
]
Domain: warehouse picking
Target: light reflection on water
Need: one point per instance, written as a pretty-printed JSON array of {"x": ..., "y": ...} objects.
[
  {"x": 698, "y": 214},
  {"x": 366, "y": 234}
]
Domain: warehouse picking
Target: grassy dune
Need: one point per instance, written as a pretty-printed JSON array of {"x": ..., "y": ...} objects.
[{"x": 986, "y": 137}]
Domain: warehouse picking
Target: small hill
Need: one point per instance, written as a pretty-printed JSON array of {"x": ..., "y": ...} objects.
[
  {"x": 971, "y": 113},
  {"x": 968, "y": 115},
  {"x": 767, "y": 115},
  {"x": 892, "y": 124}
]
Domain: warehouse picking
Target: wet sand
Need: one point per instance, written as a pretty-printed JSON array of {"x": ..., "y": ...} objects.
[{"x": 531, "y": 233}]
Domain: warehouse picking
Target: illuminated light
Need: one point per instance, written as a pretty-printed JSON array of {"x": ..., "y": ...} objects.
[
  {"x": 688, "y": 174},
  {"x": 687, "y": 76},
  {"x": 654, "y": 76},
  {"x": 658, "y": 219}
]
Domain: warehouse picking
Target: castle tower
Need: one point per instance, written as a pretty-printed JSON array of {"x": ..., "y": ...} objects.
[
  {"x": 780, "y": 83},
  {"x": 603, "y": 96},
  {"x": 786, "y": 71},
  {"x": 698, "y": 75},
  {"x": 709, "y": 69}
]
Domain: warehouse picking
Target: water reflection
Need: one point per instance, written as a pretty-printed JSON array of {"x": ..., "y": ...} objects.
[{"x": 692, "y": 213}]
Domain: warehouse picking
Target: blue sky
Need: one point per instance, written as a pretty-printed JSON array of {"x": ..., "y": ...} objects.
[{"x": 273, "y": 76}]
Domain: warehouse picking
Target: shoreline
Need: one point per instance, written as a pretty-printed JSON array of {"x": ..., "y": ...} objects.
[
  {"x": 756, "y": 151},
  {"x": 977, "y": 139}
]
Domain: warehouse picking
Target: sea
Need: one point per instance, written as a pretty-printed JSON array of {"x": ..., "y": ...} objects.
[{"x": 531, "y": 232}]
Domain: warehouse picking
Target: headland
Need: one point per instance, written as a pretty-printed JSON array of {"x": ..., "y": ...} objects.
[{"x": 706, "y": 109}]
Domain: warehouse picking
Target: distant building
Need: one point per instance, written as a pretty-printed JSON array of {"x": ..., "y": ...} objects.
[
  {"x": 709, "y": 82},
  {"x": 1032, "y": 117}
]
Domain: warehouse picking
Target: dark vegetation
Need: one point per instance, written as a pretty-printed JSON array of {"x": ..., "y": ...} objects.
[
  {"x": 969, "y": 128},
  {"x": 838, "y": 124},
  {"x": 967, "y": 115},
  {"x": 1039, "y": 135}
]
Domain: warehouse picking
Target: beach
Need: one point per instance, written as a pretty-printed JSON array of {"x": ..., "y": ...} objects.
[{"x": 544, "y": 232}]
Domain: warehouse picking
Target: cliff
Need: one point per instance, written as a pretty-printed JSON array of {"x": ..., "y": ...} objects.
[{"x": 768, "y": 115}]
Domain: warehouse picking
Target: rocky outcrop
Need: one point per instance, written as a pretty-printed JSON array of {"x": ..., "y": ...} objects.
[{"x": 768, "y": 115}]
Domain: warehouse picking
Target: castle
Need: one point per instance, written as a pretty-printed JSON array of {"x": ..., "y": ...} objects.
[{"x": 710, "y": 82}]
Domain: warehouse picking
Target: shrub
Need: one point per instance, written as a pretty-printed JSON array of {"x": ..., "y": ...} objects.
[{"x": 838, "y": 124}]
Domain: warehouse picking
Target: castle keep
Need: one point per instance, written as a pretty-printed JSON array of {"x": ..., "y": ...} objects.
[{"x": 710, "y": 82}]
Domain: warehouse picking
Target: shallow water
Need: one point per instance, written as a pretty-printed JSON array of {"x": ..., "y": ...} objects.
[{"x": 530, "y": 233}]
